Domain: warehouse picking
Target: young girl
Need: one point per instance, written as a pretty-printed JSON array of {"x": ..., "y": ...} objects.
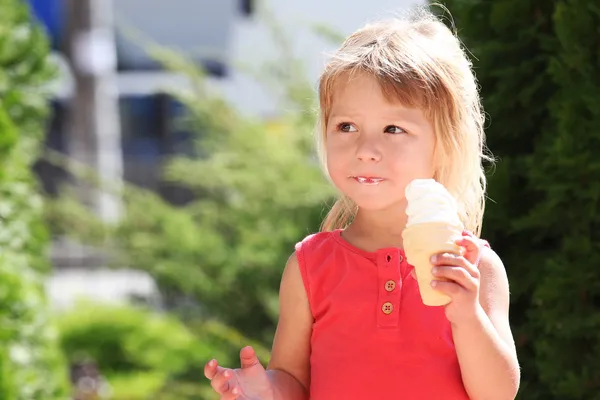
[{"x": 398, "y": 102}]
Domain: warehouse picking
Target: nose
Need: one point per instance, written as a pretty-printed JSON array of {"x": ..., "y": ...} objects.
[{"x": 368, "y": 149}]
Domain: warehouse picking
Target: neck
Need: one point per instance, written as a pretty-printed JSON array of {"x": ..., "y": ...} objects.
[{"x": 382, "y": 228}]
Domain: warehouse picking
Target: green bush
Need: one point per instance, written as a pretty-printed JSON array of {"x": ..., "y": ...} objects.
[
  {"x": 135, "y": 350},
  {"x": 141, "y": 354},
  {"x": 537, "y": 62},
  {"x": 31, "y": 366}
]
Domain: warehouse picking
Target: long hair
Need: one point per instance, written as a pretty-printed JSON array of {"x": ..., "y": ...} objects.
[{"x": 418, "y": 62}]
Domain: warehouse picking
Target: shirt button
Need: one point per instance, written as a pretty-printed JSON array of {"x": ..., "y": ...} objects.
[
  {"x": 400, "y": 258},
  {"x": 390, "y": 285},
  {"x": 387, "y": 308}
]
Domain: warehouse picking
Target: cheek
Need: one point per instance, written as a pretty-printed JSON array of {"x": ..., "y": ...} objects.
[
  {"x": 429, "y": 160},
  {"x": 422, "y": 159},
  {"x": 336, "y": 165},
  {"x": 336, "y": 153},
  {"x": 412, "y": 161}
]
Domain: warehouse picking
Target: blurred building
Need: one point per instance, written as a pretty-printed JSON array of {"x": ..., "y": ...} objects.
[{"x": 217, "y": 34}]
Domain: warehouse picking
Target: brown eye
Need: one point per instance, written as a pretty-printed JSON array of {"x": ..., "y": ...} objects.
[
  {"x": 347, "y": 127},
  {"x": 393, "y": 129}
]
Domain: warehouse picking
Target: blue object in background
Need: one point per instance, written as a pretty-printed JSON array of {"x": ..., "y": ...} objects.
[{"x": 49, "y": 13}]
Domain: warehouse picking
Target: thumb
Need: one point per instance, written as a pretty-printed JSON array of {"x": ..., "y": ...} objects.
[{"x": 248, "y": 357}]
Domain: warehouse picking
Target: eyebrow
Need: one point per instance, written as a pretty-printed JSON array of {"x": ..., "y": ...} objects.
[{"x": 404, "y": 116}]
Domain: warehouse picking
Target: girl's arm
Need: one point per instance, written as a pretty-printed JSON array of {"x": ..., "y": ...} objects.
[
  {"x": 485, "y": 346},
  {"x": 289, "y": 367}
]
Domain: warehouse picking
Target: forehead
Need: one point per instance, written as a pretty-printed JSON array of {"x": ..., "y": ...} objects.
[
  {"x": 356, "y": 94},
  {"x": 349, "y": 86}
]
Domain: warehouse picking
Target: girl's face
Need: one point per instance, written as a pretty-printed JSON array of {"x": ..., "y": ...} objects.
[{"x": 375, "y": 147}]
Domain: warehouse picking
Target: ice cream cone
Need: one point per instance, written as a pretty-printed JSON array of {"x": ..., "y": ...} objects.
[{"x": 423, "y": 240}]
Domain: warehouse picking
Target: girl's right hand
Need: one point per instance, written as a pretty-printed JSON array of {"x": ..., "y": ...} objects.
[{"x": 250, "y": 382}]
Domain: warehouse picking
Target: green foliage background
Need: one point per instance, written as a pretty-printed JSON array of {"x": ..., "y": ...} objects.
[{"x": 31, "y": 365}]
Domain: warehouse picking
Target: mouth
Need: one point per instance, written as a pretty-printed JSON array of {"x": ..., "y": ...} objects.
[{"x": 367, "y": 180}]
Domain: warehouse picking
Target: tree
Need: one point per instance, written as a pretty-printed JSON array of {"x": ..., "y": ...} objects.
[
  {"x": 535, "y": 61},
  {"x": 31, "y": 365},
  {"x": 564, "y": 170}
]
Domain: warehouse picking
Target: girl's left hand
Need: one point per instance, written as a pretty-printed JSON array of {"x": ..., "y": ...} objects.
[{"x": 463, "y": 278}]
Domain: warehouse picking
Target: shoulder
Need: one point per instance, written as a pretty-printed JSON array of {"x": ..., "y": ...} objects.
[
  {"x": 296, "y": 283},
  {"x": 494, "y": 290},
  {"x": 491, "y": 265},
  {"x": 311, "y": 258},
  {"x": 494, "y": 293},
  {"x": 294, "y": 287},
  {"x": 313, "y": 249},
  {"x": 315, "y": 241},
  {"x": 292, "y": 284}
]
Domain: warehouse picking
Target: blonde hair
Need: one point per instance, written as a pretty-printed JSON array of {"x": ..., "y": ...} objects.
[{"x": 420, "y": 63}]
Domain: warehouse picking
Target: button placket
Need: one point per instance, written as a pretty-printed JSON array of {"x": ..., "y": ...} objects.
[{"x": 390, "y": 287}]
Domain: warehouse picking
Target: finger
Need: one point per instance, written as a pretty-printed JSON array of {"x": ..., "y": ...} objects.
[
  {"x": 449, "y": 288},
  {"x": 448, "y": 259},
  {"x": 248, "y": 357},
  {"x": 472, "y": 247},
  {"x": 232, "y": 394},
  {"x": 457, "y": 275},
  {"x": 220, "y": 383},
  {"x": 210, "y": 369}
]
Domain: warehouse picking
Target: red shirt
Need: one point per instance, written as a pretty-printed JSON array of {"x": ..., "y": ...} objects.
[{"x": 372, "y": 336}]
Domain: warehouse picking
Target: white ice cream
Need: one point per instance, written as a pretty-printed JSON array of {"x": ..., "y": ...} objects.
[{"x": 429, "y": 201}]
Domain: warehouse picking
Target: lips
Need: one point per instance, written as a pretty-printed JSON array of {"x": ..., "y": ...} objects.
[{"x": 367, "y": 180}]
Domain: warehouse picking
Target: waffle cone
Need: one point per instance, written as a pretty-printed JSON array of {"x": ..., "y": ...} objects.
[{"x": 421, "y": 241}]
